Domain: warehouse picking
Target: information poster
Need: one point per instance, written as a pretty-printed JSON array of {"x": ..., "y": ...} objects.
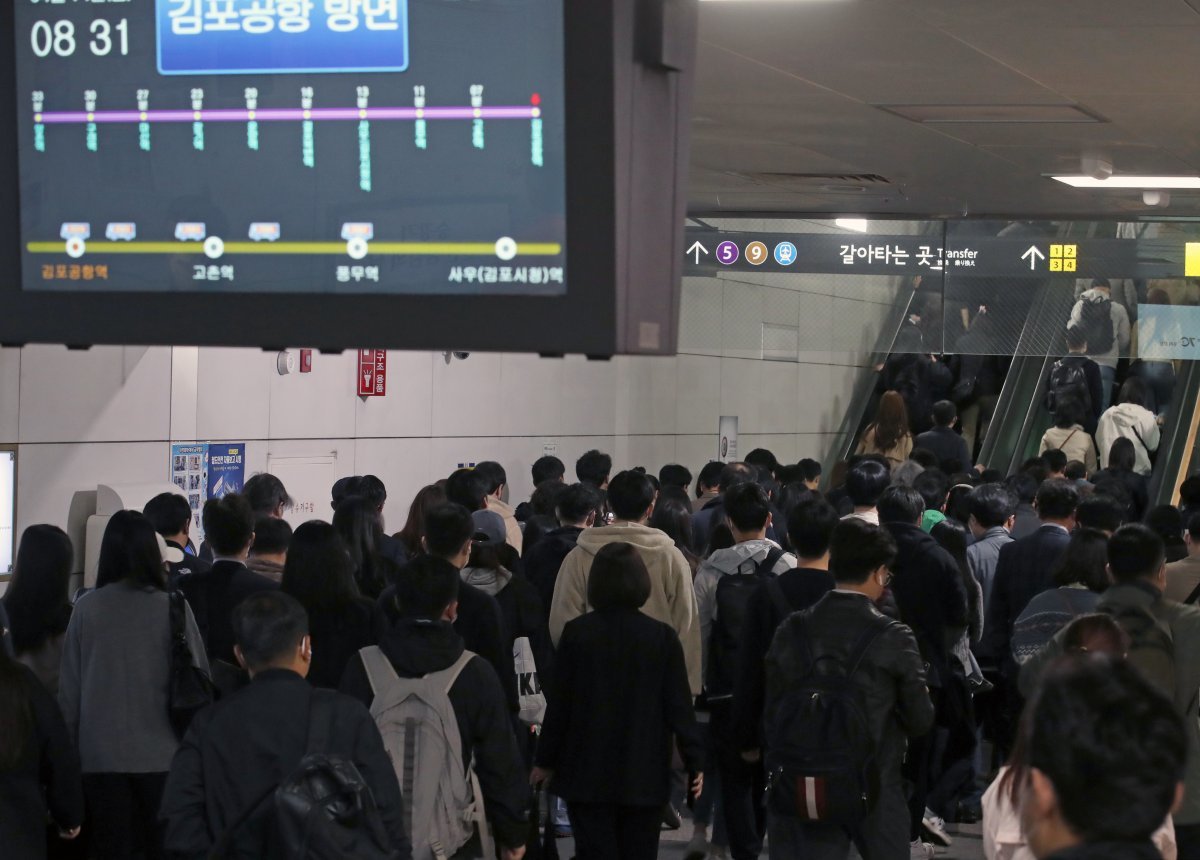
[
  {"x": 204, "y": 471},
  {"x": 727, "y": 434}
]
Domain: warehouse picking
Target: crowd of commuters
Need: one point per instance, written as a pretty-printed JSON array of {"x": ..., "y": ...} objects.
[{"x": 810, "y": 670}]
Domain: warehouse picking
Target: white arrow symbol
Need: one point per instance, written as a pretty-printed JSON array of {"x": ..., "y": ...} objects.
[
  {"x": 1033, "y": 254},
  {"x": 697, "y": 249}
]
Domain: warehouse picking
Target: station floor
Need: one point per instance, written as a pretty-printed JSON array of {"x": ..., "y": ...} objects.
[{"x": 968, "y": 844}]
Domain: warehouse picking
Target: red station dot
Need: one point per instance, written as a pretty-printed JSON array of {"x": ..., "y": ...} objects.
[{"x": 535, "y": 99}]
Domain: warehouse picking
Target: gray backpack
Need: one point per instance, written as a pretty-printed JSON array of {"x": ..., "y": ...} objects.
[{"x": 443, "y": 803}]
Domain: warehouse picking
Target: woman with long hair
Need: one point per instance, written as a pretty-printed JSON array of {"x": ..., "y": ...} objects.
[
  {"x": 888, "y": 435},
  {"x": 319, "y": 573},
  {"x": 1122, "y": 470},
  {"x": 1080, "y": 577},
  {"x": 673, "y": 516},
  {"x": 114, "y": 687},
  {"x": 38, "y": 601},
  {"x": 39, "y": 769},
  {"x": 426, "y": 498},
  {"x": 358, "y": 522}
]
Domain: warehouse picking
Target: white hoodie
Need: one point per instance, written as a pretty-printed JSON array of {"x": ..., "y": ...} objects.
[
  {"x": 672, "y": 600},
  {"x": 1121, "y": 421}
]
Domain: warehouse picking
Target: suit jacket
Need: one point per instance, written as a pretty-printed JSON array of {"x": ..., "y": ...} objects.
[
  {"x": 1024, "y": 570},
  {"x": 946, "y": 445},
  {"x": 213, "y": 596}
]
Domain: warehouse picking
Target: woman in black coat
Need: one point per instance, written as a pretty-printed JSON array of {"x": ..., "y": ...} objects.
[
  {"x": 39, "y": 769},
  {"x": 619, "y": 697},
  {"x": 320, "y": 574}
]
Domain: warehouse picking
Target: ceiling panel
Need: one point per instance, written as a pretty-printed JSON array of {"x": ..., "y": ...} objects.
[{"x": 794, "y": 87}]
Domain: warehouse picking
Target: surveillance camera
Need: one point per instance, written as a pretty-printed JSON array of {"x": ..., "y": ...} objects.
[{"x": 462, "y": 356}]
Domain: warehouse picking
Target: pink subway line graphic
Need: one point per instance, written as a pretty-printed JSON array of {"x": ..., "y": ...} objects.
[{"x": 285, "y": 114}]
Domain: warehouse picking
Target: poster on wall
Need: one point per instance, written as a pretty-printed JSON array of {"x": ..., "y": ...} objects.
[
  {"x": 727, "y": 434},
  {"x": 202, "y": 471}
]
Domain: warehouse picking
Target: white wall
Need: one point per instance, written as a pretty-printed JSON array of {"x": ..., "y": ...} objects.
[{"x": 109, "y": 414}]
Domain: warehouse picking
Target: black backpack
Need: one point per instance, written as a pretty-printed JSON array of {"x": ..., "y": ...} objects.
[
  {"x": 820, "y": 758},
  {"x": 1096, "y": 319},
  {"x": 725, "y": 638},
  {"x": 324, "y": 810},
  {"x": 1067, "y": 378}
]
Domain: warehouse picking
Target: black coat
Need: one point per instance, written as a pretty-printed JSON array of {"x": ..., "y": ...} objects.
[
  {"x": 620, "y": 692},
  {"x": 237, "y": 749},
  {"x": 928, "y": 588},
  {"x": 46, "y": 779},
  {"x": 946, "y": 445},
  {"x": 338, "y": 636},
  {"x": 213, "y": 596},
  {"x": 802, "y": 588},
  {"x": 1135, "y": 486},
  {"x": 1025, "y": 569},
  {"x": 481, "y": 625},
  {"x": 416, "y": 648},
  {"x": 891, "y": 676},
  {"x": 545, "y": 558}
]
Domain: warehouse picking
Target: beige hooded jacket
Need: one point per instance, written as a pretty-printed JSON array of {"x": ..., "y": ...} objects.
[{"x": 672, "y": 599}]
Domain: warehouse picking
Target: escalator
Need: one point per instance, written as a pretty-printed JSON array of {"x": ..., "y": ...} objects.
[{"x": 1016, "y": 430}]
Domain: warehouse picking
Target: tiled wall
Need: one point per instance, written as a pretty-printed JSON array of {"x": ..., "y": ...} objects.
[{"x": 109, "y": 414}]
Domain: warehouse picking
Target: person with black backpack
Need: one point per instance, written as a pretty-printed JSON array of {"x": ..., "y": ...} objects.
[
  {"x": 255, "y": 773},
  {"x": 1076, "y": 378},
  {"x": 1105, "y": 326},
  {"x": 846, "y": 689},
  {"x": 724, "y": 586}
]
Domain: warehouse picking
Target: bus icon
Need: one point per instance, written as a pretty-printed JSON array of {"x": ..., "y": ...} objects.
[
  {"x": 76, "y": 230},
  {"x": 364, "y": 230},
  {"x": 190, "y": 231},
  {"x": 120, "y": 231},
  {"x": 264, "y": 231}
]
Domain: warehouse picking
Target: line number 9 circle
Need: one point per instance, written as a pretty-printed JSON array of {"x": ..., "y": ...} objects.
[{"x": 756, "y": 253}]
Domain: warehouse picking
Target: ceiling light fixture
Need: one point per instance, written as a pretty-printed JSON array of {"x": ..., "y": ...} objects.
[
  {"x": 1134, "y": 182},
  {"x": 858, "y": 225}
]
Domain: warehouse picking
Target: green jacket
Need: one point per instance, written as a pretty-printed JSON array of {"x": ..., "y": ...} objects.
[{"x": 1184, "y": 623}]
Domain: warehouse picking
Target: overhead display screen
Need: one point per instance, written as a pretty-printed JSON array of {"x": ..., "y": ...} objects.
[{"x": 292, "y": 146}]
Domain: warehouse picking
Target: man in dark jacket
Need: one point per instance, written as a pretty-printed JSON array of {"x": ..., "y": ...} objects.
[
  {"x": 941, "y": 441},
  {"x": 576, "y": 510},
  {"x": 713, "y": 513},
  {"x": 810, "y": 529},
  {"x": 449, "y": 530},
  {"x": 1024, "y": 569},
  {"x": 237, "y": 750},
  {"x": 171, "y": 516},
  {"x": 1106, "y": 756},
  {"x": 229, "y": 529},
  {"x": 932, "y": 600},
  {"x": 424, "y": 641},
  {"x": 891, "y": 678}
]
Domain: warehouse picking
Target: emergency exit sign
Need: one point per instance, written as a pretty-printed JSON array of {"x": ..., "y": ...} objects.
[{"x": 372, "y": 372}]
